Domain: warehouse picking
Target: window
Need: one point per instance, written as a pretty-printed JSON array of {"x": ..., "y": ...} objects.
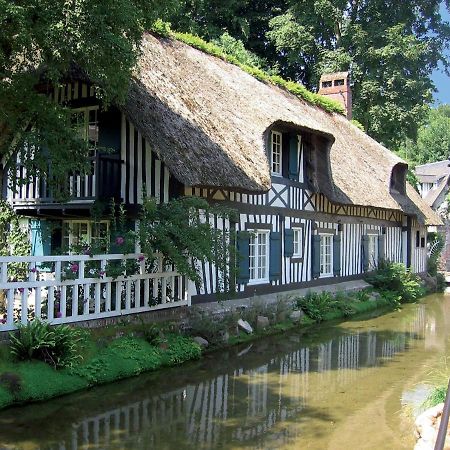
[
  {"x": 339, "y": 82},
  {"x": 276, "y": 153},
  {"x": 85, "y": 121},
  {"x": 326, "y": 255},
  {"x": 327, "y": 84},
  {"x": 372, "y": 256},
  {"x": 259, "y": 256},
  {"x": 298, "y": 242},
  {"x": 79, "y": 233},
  {"x": 417, "y": 238}
]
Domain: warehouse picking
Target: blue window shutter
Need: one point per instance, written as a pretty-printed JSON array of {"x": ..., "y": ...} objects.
[
  {"x": 243, "y": 252},
  {"x": 365, "y": 252},
  {"x": 381, "y": 247},
  {"x": 275, "y": 256},
  {"x": 41, "y": 237},
  {"x": 293, "y": 157},
  {"x": 36, "y": 238},
  {"x": 337, "y": 255},
  {"x": 288, "y": 243},
  {"x": 315, "y": 256}
]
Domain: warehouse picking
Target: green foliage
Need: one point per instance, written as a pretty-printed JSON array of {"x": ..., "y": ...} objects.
[
  {"x": 433, "y": 138},
  {"x": 180, "y": 230},
  {"x": 235, "y": 48},
  {"x": 179, "y": 350},
  {"x": 13, "y": 241},
  {"x": 394, "y": 279},
  {"x": 58, "y": 346},
  {"x": 357, "y": 124},
  {"x": 436, "y": 247},
  {"x": 40, "y": 44},
  {"x": 129, "y": 356},
  {"x": 436, "y": 396},
  {"x": 324, "y": 305}
]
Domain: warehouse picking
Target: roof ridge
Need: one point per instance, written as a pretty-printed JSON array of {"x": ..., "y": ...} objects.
[{"x": 163, "y": 29}]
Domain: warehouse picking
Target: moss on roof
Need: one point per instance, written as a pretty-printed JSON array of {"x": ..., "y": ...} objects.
[{"x": 332, "y": 106}]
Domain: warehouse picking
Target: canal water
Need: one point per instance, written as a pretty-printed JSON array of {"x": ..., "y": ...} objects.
[{"x": 339, "y": 386}]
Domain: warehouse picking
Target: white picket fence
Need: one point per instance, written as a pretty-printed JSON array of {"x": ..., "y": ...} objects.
[{"x": 74, "y": 288}]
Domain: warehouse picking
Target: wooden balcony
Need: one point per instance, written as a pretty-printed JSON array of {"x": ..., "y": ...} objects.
[{"x": 102, "y": 183}]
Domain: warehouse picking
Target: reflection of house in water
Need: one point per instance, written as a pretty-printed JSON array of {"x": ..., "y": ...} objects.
[{"x": 246, "y": 403}]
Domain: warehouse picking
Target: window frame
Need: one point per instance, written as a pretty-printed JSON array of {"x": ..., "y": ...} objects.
[
  {"x": 279, "y": 145},
  {"x": 69, "y": 237},
  {"x": 321, "y": 255},
  {"x": 255, "y": 235},
  {"x": 86, "y": 110},
  {"x": 297, "y": 231}
]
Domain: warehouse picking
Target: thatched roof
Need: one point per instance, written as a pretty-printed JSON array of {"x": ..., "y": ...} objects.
[{"x": 207, "y": 119}]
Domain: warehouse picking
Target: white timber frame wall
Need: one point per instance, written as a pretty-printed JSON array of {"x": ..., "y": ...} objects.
[{"x": 289, "y": 204}]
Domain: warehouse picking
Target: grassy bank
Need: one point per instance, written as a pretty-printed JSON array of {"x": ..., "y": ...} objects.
[
  {"x": 41, "y": 366},
  {"x": 29, "y": 381}
]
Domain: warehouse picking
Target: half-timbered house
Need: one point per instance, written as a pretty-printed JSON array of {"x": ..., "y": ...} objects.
[{"x": 322, "y": 200}]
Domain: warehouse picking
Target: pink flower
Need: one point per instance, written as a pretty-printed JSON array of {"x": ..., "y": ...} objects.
[
  {"x": 21, "y": 290},
  {"x": 74, "y": 268},
  {"x": 141, "y": 258},
  {"x": 33, "y": 270},
  {"x": 3, "y": 321},
  {"x": 102, "y": 273},
  {"x": 120, "y": 240},
  {"x": 58, "y": 314}
]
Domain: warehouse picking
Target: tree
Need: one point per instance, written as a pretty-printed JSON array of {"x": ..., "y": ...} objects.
[
  {"x": 391, "y": 48},
  {"x": 433, "y": 138},
  {"x": 41, "y": 43}
]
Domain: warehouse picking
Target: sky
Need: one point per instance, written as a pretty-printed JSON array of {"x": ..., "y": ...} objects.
[{"x": 442, "y": 81}]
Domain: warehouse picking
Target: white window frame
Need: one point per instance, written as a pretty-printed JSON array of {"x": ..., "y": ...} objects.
[
  {"x": 297, "y": 233},
  {"x": 254, "y": 255},
  {"x": 323, "y": 263},
  {"x": 86, "y": 110},
  {"x": 276, "y": 153},
  {"x": 372, "y": 248},
  {"x": 89, "y": 233}
]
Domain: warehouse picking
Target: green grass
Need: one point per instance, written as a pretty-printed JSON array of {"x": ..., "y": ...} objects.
[
  {"x": 331, "y": 106},
  {"x": 122, "y": 358},
  {"x": 437, "y": 396}
]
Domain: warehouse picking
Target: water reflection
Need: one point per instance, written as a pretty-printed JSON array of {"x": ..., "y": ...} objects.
[{"x": 260, "y": 399}]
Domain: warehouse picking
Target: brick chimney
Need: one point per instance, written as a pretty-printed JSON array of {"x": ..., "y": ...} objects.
[{"x": 337, "y": 86}]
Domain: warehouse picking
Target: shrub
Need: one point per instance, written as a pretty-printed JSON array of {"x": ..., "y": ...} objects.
[
  {"x": 58, "y": 346},
  {"x": 316, "y": 304},
  {"x": 397, "y": 279},
  {"x": 440, "y": 282}
]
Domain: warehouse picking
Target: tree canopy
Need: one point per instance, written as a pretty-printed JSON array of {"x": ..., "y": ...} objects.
[
  {"x": 40, "y": 42},
  {"x": 433, "y": 138},
  {"x": 390, "y": 47}
]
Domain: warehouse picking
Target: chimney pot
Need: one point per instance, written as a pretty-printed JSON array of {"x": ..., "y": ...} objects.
[{"x": 337, "y": 86}]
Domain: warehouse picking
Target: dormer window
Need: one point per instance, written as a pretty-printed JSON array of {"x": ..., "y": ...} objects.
[{"x": 276, "y": 158}]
